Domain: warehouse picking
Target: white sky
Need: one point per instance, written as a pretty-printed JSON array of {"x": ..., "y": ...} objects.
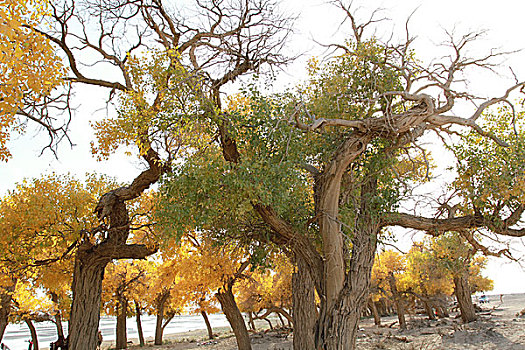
[{"x": 503, "y": 19}]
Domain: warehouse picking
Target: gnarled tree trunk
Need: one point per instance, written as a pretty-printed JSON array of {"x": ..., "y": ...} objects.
[
  {"x": 464, "y": 297},
  {"x": 234, "y": 316},
  {"x": 87, "y": 292},
  {"x": 338, "y": 323},
  {"x": 92, "y": 258}
]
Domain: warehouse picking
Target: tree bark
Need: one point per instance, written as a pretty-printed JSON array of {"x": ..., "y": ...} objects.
[
  {"x": 304, "y": 309},
  {"x": 328, "y": 190},
  {"x": 429, "y": 310},
  {"x": 234, "y": 316},
  {"x": 464, "y": 297},
  {"x": 338, "y": 323},
  {"x": 6, "y": 296},
  {"x": 87, "y": 292},
  {"x": 34, "y": 336},
  {"x": 138, "y": 313},
  {"x": 91, "y": 259},
  {"x": 159, "y": 330},
  {"x": 58, "y": 316},
  {"x": 122, "y": 310},
  {"x": 398, "y": 301},
  {"x": 375, "y": 313},
  {"x": 208, "y": 324}
]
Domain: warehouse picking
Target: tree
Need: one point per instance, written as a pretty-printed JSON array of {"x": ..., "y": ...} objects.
[
  {"x": 29, "y": 72},
  {"x": 195, "y": 60},
  {"x": 458, "y": 258},
  {"x": 121, "y": 278},
  {"x": 341, "y": 137},
  {"x": 388, "y": 267},
  {"x": 41, "y": 222},
  {"x": 268, "y": 290},
  {"x": 219, "y": 268},
  {"x": 427, "y": 279}
]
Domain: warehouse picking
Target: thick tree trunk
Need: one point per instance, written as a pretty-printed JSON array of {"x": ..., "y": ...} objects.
[
  {"x": 337, "y": 327},
  {"x": 328, "y": 191},
  {"x": 375, "y": 313},
  {"x": 87, "y": 291},
  {"x": 6, "y": 296},
  {"x": 338, "y": 323},
  {"x": 304, "y": 309},
  {"x": 34, "y": 337},
  {"x": 138, "y": 313},
  {"x": 464, "y": 297},
  {"x": 398, "y": 301},
  {"x": 234, "y": 316},
  {"x": 122, "y": 310},
  {"x": 208, "y": 324}
]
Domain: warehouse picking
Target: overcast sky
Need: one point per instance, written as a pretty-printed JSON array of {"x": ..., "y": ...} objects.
[{"x": 319, "y": 22}]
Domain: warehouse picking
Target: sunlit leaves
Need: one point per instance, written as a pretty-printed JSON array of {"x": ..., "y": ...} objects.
[
  {"x": 491, "y": 176},
  {"x": 162, "y": 108},
  {"x": 42, "y": 218},
  {"x": 29, "y": 67}
]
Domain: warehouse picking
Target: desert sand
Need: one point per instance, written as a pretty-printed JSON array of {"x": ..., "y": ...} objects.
[{"x": 498, "y": 327}]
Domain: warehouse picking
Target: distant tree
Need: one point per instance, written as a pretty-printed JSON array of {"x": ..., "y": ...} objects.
[
  {"x": 388, "y": 269},
  {"x": 454, "y": 254},
  {"x": 121, "y": 278}
]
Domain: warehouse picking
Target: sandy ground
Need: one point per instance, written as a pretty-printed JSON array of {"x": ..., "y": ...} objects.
[{"x": 498, "y": 327}]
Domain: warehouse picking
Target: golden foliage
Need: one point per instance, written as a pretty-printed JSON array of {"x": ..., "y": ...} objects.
[{"x": 29, "y": 67}]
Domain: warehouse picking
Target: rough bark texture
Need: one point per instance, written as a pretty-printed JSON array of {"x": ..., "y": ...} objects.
[
  {"x": 91, "y": 259},
  {"x": 234, "y": 316},
  {"x": 122, "y": 337},
  {"x": 464, "y": 297},
  {"x": 338, "y": 323},
  {"x": 85, "y": 310},
  {"x": 208, "y": 324},
  {"x": 328, "y": 189},
  {"x": 304, "y": 309},
  {"x": 34, "y": 337},
  {"x": 5, "y": 307},
  {"x": 398, "y": 301},
  {"x": 138, "y": 313}
]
